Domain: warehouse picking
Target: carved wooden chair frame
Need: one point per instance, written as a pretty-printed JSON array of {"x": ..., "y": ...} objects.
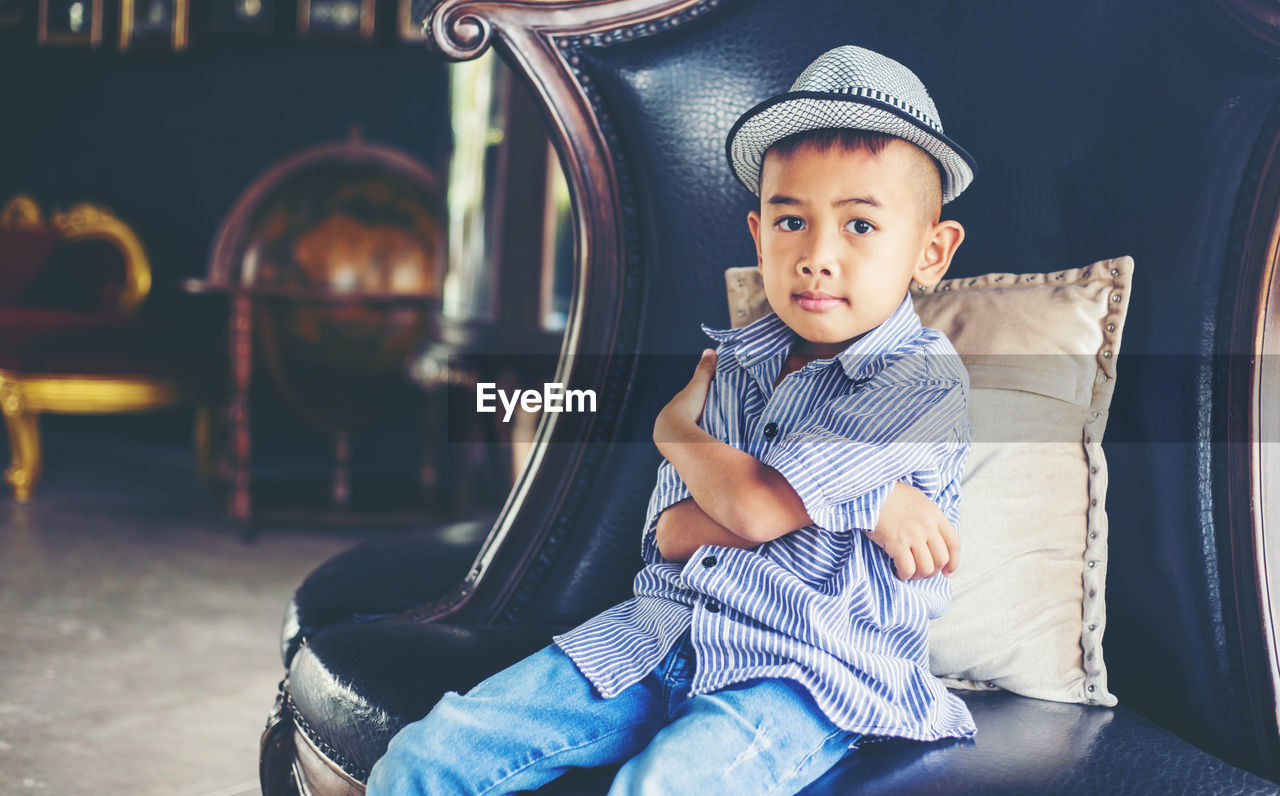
[{"x": 539, "y": 39}]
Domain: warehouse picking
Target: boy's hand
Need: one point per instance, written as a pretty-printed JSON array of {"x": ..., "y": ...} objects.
[
  {"x": 916, "y": 534},
  {"x": 686, "y": 406}
]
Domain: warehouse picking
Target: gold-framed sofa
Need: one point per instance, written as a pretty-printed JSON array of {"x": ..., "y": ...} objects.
[{"x": 71, "y": 338}]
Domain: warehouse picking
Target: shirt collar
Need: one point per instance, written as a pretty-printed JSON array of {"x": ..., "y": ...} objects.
[
  {"x": 867, "y": 356},
  {"x": 764, "y": 338},
  {"x": 755, "y": 342}
]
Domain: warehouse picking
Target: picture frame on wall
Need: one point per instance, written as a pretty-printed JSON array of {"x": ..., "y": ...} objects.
[
  {"x": 409, "y": 17},
  {"x": 350, "y": 20},
  {"x": 154, "y": 24},
  {"x": 10, "y": 13},
  {"x": 242, "y": 17},
  {"x": 70, "y": 22}
]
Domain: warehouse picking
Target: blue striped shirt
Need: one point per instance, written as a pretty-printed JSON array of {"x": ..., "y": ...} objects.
[{"x": 820, "y": 605}]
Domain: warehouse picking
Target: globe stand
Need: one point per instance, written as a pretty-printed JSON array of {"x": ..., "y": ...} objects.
[
  {"x": 236, "y": 464},
  {"x": 342, "y": 469}
]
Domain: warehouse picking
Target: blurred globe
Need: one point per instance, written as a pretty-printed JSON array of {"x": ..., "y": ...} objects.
[{"x": 347, "y": 253}]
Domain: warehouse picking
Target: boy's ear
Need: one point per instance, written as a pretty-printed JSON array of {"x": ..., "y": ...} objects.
[
  {"x": 946, "y": 237},
  {"x": 753, "y": 222}
]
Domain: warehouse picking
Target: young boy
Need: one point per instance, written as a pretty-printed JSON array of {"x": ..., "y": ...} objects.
[{"x": 817, "y": 451}]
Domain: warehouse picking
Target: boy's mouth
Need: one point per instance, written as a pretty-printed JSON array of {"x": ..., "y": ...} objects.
[{"x": 817, "y": 301}]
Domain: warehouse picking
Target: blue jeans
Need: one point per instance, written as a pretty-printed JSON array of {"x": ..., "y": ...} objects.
[{"x": 535, "y": 720}]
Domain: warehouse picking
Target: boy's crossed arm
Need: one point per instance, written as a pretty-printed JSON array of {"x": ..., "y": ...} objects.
[
  {"x": 737, "y": 501},
  {"x": 735, "y": 490}
]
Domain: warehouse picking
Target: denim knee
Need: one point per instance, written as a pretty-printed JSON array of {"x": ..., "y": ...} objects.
[
  {"x": 422, "y": 758},
  {"x": 647, "y": 775}
]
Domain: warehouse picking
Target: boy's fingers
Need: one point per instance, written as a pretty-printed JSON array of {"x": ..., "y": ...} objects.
[
  {"x": 906, "y": 565},
  {"x": 706, "y": 365},
  {"x": 941, "y": 557},
  {"x": 924, "y": 561},
  {"x": 952, "y": 540}
]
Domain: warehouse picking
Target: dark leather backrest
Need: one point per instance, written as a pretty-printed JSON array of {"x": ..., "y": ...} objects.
[{"x": 1100, "y": 129}]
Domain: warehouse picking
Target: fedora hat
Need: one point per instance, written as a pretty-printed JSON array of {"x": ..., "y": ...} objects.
[{"x": 849, "y": 87}]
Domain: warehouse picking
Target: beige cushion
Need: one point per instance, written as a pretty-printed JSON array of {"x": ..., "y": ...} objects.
[{"x": 1028, "y": 604}]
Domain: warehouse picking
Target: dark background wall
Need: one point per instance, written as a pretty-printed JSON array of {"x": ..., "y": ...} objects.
[{"x": 168, "y": 141}]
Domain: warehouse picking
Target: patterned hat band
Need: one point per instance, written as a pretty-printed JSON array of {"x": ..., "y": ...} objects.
[
  {"x": 869, "y": 93},
  {"x": 852, "y": 88}
]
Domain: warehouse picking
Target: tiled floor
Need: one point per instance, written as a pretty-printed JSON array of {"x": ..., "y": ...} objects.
[{"x": 138, "y": 632}]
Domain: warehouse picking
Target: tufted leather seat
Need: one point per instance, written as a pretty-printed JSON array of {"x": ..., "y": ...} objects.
[
  {"x": 380, "y": 579},
  {"x": 1022, "y": 746},
  {"x": 1100, "y": 129}
]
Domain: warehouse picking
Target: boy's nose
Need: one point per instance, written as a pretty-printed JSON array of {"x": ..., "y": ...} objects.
[{"x": 822, "y": 257}]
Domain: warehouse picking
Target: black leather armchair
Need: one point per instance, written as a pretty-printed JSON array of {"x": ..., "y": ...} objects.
[{"x": 1146, "y": 128}]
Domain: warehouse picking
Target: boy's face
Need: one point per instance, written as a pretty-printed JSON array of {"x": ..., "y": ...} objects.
[{"x": 842, "y": 234}]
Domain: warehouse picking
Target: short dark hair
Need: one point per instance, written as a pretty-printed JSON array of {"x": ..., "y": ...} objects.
[
  {"x": 848, "y": 138},
  {"x": 827, "y": 137}
]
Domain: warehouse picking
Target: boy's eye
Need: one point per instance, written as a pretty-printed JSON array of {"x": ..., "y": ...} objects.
[
  {"x": 859, "y": 226},
  {"x": 790, "y": 223}
]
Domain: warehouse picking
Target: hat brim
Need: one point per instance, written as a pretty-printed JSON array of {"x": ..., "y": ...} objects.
[{"x": 799, "y": 111}]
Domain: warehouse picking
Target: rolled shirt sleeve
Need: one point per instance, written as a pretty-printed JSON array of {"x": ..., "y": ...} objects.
[
  {"x": 669, "y": 491},
  {"x": 844, "y": 461}
]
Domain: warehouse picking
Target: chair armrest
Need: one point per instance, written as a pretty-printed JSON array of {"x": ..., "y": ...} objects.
[
  {"x": 84, "y": 222},
  {"x": 380, "y": 579}
]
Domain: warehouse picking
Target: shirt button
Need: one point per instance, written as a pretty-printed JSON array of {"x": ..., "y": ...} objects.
[
  {"x": 713, "y": 607},
  {"x": 770, "y": 430},
  {"x": 709, "y": 561}
]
